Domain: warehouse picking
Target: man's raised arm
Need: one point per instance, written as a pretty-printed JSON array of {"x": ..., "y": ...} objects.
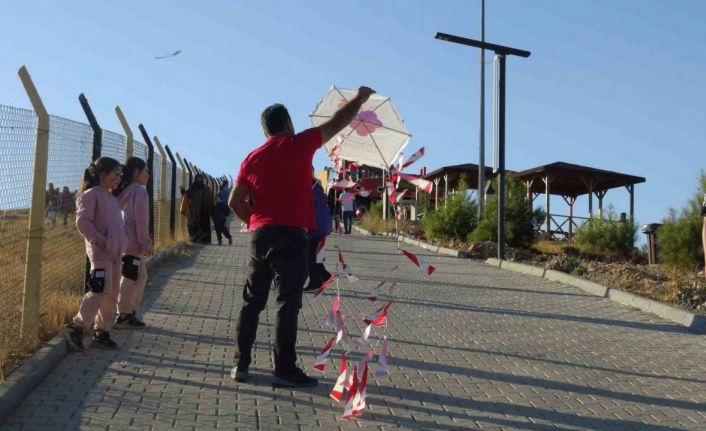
[
  {"x": 345, "y": 115},
  {"x": 238, "y": 202}
]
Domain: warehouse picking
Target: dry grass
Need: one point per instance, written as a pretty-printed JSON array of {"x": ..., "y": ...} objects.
[
  {"x": 63, "y": 269},
  {"x": 549, "y": 247},
  {"x": 376, "y": 225}
]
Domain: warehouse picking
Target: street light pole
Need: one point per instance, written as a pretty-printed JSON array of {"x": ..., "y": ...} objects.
[
  {"x": 481, "y": 138},
  {"x": 500, "y": 53}
]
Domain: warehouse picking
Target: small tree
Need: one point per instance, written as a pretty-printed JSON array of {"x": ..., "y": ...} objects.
[
  {"x": 679, "y": 238},
  {"x": 455, "y": 219},
  {"x": 520, "y": 220},
  {"x": 607, "y": 236}
]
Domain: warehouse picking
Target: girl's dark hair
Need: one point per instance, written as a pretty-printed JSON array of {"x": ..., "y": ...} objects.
[
  {"x": 132, "y": 165},
  {"x": 92, "y": 174}
]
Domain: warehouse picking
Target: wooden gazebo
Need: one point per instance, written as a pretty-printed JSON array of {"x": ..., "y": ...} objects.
[
  {"x": 451, "y": 175},
  {"x": 571, "y": 181}
]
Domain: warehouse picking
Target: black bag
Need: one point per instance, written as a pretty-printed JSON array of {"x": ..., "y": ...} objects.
[
  {"x": 96, "y": 281},
  {"x": 131, "y": 266}
]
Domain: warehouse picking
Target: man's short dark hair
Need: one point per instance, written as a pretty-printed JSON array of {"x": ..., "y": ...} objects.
[{"x": 274, "y": 119}]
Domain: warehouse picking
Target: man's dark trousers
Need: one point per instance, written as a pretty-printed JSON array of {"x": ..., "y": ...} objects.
[
  {"x": 279, "y": 254},
  {"x": 348, "y": 220}
]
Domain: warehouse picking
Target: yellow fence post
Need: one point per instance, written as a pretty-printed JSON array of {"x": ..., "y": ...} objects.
[
  {"x": 130, "y": 144},
  {"x": 184, "y": 184},
  {"x": 162, "y": 192},
  {"x": 33, "y": 268}
]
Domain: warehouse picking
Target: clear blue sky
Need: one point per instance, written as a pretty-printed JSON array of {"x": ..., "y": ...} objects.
[{"x": 617, "y": 85}]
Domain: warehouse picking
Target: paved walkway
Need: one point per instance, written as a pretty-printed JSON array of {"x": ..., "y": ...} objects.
[{"x": 472, "y": 347}]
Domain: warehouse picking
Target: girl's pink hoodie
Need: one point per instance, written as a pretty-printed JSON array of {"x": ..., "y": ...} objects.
[
  {"x": 100, "y": 222},
  {"x": 134, "y": 201}
]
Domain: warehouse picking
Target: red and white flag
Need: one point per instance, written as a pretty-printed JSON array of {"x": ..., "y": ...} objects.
[
  {"x": 373, "y": 295},
  {"x": 381, "y": 369},
  {"x": 337, "y": 391},
  {"x": 331, "y": 318},
  {"x": 321, "y": 251},
  {"x": 414, "y": 157},
  {"x": 326, "y": 284},
  {"x": 423, "y": 184},
  {"x": 362, "y": 393},
  {"x": 353, "y": 398},
  {"x": 379, "y": 316},
  {"x": 345, "y": 184},
  {"x": 366, "y": 333},
  {"x": 427, "y": 268},
  {"x": 320, "y": 363},
  {"x": 340, "y": 329},
  {"x": 346, "y": 268}
]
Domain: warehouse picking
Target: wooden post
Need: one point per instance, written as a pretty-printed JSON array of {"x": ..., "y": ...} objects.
[
  {"x": 446, "y": 189},
  {"x": 631, "y": 190},
  {"x": 600, "y": 194},
  {"x": 530, "y": 198},
  {"x": 570, "y": 200},
  {"x": 436, "y": 192},
  {"x": 130, "y": 144},
  {"x": 547, "y": 191},
  {"x": 33, "y": 266}
]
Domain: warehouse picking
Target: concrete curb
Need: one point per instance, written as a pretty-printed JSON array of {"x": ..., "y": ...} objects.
[
  {"x": 419, "y": 243},
  {"x": 692, "y": 321},
  {"x": 30, "y": 374}
]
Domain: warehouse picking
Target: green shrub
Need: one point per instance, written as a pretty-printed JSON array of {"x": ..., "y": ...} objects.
[
  {"x": 679, "y": 238},
  {"x": 455, "y": 219},
  {"x": 520, "y": 221},
  {"x": 607, "y": 236}
]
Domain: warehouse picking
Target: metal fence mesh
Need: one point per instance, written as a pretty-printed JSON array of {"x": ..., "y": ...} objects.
[
  {"x": 156, "y": 189},
  {"x": 114, "y": 145},
  {"x": 63, "y": 256},
  {"x": 17, "y": 140}
]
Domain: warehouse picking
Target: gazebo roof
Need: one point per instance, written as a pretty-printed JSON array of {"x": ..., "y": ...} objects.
[
  {"x": 575, "y": 180},
  {"x": 469, "y": 170}
]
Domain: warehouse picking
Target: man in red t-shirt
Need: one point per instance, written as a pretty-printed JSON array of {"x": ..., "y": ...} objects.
[{"x": 277, "y": 179}]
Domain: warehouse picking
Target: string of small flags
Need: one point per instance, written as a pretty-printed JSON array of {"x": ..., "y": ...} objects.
[{"x": 353, "y": 378}]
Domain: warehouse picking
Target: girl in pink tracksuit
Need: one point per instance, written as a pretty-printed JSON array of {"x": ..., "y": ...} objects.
[
  {"x": 100, "y": 222},
  {"x": 134, "y": 202}
]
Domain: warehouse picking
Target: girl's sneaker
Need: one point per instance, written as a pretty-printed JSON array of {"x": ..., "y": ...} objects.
[
  {"x": 129, "y": 321},
  {"x": 74, "y": 337},
  {"x": 101, "y": 339}
]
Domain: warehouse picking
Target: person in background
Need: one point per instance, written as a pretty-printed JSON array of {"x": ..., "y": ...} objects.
[
  {"x": 134, "y": 202},
  {"x": 100, "y": 222},
  {"x": 347, "y": 199},
  {"x": 197, "y": 207},
  {"x": 220, "y": 220},
  {"x": 67, "y": 204},
  {"x": 317, "y": 271},
  {"x": 277, "y": 175},
  {"x": 703, "y": 231},
  {"x": 224, "y": 190}
]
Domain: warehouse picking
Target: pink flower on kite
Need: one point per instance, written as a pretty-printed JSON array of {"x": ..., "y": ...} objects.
[{"x": 365, "y": 123}]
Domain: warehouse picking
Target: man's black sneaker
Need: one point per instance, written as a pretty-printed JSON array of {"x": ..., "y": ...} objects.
[
  {"x": 230, "y": 241},
  {"x": 129, "y": 321},
  {"x": 240, "y": 374},
  {"x": 295, "y": 379},
  {"x": 311, "y": 287},
  {"x": 101, "y": 339},
  {"x": 74, "y": 337}
]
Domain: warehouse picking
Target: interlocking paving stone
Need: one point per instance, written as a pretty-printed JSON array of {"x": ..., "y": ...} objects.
[{"x": 472, "y": 347}]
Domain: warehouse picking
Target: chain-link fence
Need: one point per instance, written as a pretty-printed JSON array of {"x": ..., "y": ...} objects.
[{"x": 63, "y": 260}]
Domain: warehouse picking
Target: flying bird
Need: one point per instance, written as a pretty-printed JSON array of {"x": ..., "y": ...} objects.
[{"x": 173, "y": 54}]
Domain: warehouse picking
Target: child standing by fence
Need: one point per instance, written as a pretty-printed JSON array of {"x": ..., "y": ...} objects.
[
  {"x": 134, "y": 202},
  {"x": 99, "y": 220},
  {"x": 220, "y": 220}
]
